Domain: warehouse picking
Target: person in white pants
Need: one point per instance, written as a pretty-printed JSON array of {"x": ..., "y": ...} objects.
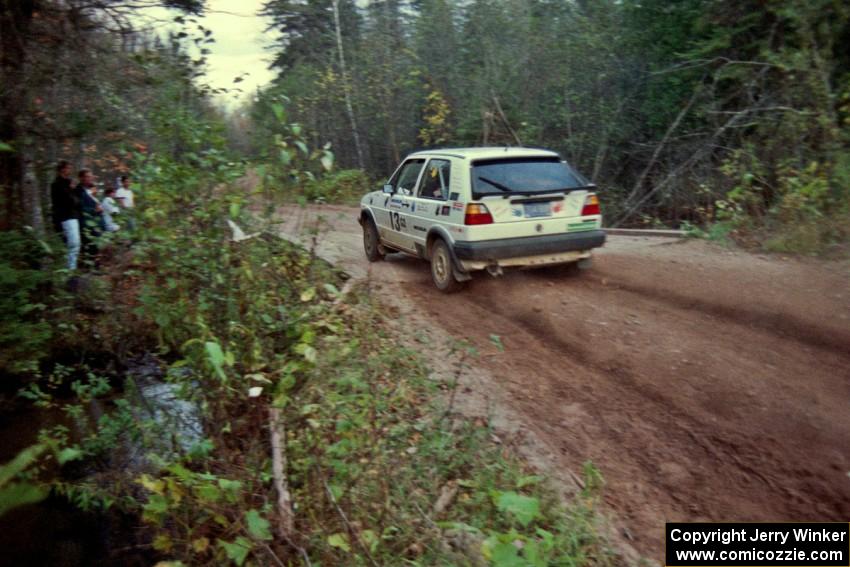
[
  {"x": 71, "y": 229},
  {"x": 66, "y": 205}
]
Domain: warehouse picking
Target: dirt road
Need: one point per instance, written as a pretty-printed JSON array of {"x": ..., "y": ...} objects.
[{"x": 705, "y": 384}]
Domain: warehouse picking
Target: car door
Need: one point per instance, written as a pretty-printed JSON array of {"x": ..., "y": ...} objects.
[
  {"x": 432, "y": 194},
  {"x": 394, "y": 220}
]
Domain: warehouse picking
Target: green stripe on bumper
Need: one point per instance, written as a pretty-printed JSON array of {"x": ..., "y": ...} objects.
[{"x": 577, "y": 226}]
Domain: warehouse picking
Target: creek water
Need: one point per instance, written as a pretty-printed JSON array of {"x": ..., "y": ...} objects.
[{"x": 56, "y": 533}]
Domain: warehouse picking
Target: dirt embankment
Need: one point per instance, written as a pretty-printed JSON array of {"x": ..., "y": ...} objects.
[{"x": 706, "y": 384}]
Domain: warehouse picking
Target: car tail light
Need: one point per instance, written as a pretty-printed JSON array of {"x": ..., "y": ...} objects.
[
  {"x": 591, "y": 206},
  {"x": 477, "y": 214}
]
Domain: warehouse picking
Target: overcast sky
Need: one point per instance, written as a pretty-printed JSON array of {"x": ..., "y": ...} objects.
[{"x": 240, "y": 43}]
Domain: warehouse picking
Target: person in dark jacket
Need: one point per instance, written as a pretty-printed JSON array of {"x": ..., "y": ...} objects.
[{"x": 66, "y": 204}]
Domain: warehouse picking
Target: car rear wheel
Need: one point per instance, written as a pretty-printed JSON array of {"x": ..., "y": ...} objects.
[
  {"x": 442, "y": 268},
  {"x": 371, "y": 241}
]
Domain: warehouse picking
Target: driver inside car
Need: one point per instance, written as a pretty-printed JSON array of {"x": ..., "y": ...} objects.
[{"x": 433, "y": 186}]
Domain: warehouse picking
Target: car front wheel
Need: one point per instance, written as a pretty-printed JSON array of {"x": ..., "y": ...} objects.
[
  {"x": 371, "y": 241},
  {"x": 442, "y": 268}
]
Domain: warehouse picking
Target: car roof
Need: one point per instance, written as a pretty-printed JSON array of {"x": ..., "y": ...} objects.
[{"x": 486, "y": 152}]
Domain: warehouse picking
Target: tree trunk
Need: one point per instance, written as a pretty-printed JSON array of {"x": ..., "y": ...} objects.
[
  {"x": 15, "y": 19},
  {"x": 505, "y": 121},
  {"x": 346, "y": 87},
  {"x": 31, "y": 196},
  {"x": 486, "y": 119}
]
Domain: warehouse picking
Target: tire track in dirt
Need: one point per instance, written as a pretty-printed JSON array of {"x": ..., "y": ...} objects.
[
  {"x": 665, "y": 459},
  {"x": 781, "y": 324}
]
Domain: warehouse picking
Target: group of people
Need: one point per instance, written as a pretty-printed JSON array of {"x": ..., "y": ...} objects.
[{"x": 81, "y": 217}]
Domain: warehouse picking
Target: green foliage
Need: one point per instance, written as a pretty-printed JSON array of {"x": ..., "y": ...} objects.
[
  {"x": 24, "y": 329},
  {"x": 523, "y": 508},
  {"x": 344, "y": 187},
  {"x": 289, "y": 167},
  {"x": 237, "y": 551},
  {"x": 787, "y": 210},
  {"x": 258, "y": 527},
  {"x": 212, "y": 505},
  {"x": 15, "y": 488}
]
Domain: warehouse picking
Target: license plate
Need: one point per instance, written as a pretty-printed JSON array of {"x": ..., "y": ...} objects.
[{"x": 535, "y": 210}]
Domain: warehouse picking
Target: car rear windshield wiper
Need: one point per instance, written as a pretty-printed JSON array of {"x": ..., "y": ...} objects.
[{"x": 496, "y": 184}]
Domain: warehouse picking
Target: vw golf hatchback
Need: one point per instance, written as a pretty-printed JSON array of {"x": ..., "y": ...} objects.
[{"x": 471, "y": 209}]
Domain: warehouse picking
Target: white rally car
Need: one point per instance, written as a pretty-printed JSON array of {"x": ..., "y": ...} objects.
[{"x": 468, "y": 209}]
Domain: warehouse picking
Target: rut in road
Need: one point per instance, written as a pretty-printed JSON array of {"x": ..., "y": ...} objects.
[
  {"x": 655, "y": 435},
  {"x": 782, "y": 324}
]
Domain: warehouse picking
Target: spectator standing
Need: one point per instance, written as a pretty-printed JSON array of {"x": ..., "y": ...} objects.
[
  {"x": 125, "y": 198},
  {"x": 66, "y": 202},
  {"x": 110, "y": 208}
]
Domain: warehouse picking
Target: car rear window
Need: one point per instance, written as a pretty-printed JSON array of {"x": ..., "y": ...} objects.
[{"x": 524, "y": 176}]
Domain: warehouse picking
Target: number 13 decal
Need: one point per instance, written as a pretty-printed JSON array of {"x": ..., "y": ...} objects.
[{"x": 396, "y": 221}]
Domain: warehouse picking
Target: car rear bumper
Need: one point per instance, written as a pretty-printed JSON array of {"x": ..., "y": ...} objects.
[{"x": 491, "y": 250}]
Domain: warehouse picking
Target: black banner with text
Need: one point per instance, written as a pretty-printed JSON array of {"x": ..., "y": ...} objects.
[{"x": 758, "y": 545}]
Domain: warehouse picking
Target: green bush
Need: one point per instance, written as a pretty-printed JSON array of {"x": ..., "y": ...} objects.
[
  {"x": 342, "y": 187},
  {"x": 24, "y": 331},
  {"x": 790, "y": 209}
]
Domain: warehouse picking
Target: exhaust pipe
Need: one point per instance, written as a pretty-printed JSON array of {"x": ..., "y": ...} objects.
[{"x": 494, "y": 270}]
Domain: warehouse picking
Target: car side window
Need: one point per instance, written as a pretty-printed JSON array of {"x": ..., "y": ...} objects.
[
  {"x": 405, "y": 180},
  {"x": 435, "y": 182}
]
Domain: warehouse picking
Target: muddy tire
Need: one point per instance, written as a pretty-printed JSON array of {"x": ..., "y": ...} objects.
[
  {"x": 442, "y": 268},
  {"x": 371, "y": 241}
]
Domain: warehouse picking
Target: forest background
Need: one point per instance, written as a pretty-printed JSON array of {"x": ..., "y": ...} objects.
[{"x": 726, "y": 116}]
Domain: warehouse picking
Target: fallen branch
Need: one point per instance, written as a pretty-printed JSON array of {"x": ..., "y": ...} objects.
[
  {"x": 685, "y": 65},
  {"x": 273, "y": 555},
  {"x": 687, "y": 163},
  {"x": 286, "y": 524}
]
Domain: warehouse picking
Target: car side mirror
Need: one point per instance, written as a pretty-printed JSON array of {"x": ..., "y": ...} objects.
[{"x": 388, "y": 189}]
